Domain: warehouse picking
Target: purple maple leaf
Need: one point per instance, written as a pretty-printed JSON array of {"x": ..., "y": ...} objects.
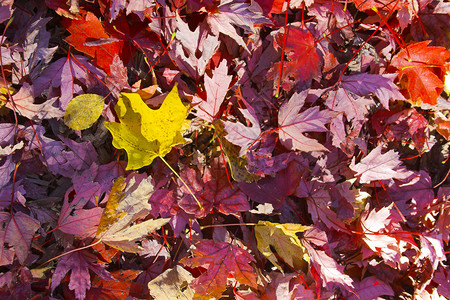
[
  {"x": 293, "y": 125},
  {"x": 382, "y": 86},
  {"x": 15, "y": 236},
  {"x": 371, "y": 288},
  {"x": 63, "y": 77},
  {"x": 79, "y": 263},
  {"x": 413, "y": 194},
  {"x": 67, "y": 162},
  {"x": 353, "y": 107},
  {"x": 5, "y": 10},
  {"x": 239, "y": 14}
]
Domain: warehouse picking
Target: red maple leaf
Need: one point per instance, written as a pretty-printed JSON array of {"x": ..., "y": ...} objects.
[
  {"x": 89, "y": 36},
  {"x": 303, "y": 61},
  {"x": 221, "y": 261},
  {"x": 213, "y": 191},
  {"x": 421, "y": 69}
]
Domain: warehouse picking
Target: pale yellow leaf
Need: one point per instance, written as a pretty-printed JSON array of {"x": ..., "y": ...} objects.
[
  {"x": 126, "y": 204},
  {"x": 283, "y": 239},
  {"x": 172, "y": 284}
]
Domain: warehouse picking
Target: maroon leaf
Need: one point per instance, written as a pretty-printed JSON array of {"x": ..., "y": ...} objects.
[{"x": 213, "y": 191}]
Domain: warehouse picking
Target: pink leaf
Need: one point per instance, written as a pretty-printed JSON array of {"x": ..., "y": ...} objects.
[
  {"x": 329, "y": 270},
  {"x": 378, "y": 225},
  {"x": 216, "y": 88},
  {"x": 239, "y": 14},
  {"x": 23, "y": 103},
  {"x": 241, "y": 135},
  {"x": 377, "y": 166}
]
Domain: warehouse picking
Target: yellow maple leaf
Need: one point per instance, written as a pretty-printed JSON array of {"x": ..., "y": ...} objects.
[
  {"x": 146, "y": 133},
  {"x": 283, "y": 239},
  {"x": 126, "y": 204}
]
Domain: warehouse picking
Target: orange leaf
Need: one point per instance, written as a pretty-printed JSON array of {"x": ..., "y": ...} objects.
[
  {"x": 421, "y": 70},
  {"x": 111, "y": 289},
  {"x": 89, "y": 37},
  {"x": 443, "y": 127}
]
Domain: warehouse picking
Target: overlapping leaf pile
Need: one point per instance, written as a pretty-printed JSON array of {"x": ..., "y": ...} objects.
[{"x": 224, "y": 148}]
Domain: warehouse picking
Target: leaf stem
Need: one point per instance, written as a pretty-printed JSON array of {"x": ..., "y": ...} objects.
[
  {"x": 71, "y": 251},
  {"x": 184, "y": 183},
  {"x": 225, "y": 225}
]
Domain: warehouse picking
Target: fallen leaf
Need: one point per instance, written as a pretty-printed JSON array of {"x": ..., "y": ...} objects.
[
  {"x": 172, "y": 284},
  {"x": 378, "y": 166},
  {"x": 89, "y": 36},
  {"x": 216, "y": 88},
  {"x": 23, "y": 104},
  {"x": 221, "y": 260},
  {"x": 146, "y": 133},
  {"x": 17, "y": 231},
  {"x": 293, "y": 125},
  {"x": 283, "y": 239},
  {"x": 117, "y": 289},
  {"x": 78, "y": 263},
  {"x": 421, "y": 70},
  {"x": 303, "y": 60},
  {"x": 126, "y": 204},
  {"x": 83, "y": 110}
]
